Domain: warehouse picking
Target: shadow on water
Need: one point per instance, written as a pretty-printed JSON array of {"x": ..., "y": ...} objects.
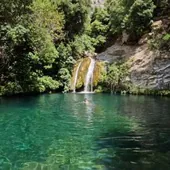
[
  {"x": 130, "y": 151},
  {"x": 140, "y": 142}
]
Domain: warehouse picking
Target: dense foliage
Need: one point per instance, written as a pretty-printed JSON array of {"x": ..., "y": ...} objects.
[
  {"x": 38, "y": 44},
  {"x": 133, "y": 17},
  {"x": 40, "y": 40}
]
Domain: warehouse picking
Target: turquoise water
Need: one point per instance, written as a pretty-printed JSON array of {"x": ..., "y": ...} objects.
[{"x": 59, "y": 131}]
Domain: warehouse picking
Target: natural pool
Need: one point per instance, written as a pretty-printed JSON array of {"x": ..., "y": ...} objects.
[{"x": 58, "y": 131}]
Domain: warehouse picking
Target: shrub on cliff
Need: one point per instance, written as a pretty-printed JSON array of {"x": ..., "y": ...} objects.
[{"x": 115, "y": 77}]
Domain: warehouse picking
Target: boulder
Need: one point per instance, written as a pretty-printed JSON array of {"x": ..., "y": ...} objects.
[
  {"x": 143, "y": 39},
  {"x": 157, "y": 25}
]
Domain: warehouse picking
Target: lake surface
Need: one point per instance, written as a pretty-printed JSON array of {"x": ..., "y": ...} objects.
[{"x": 59, "y": 131}]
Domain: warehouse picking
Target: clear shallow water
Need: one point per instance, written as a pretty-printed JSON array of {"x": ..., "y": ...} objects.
[{"x": 58, "y": 131}]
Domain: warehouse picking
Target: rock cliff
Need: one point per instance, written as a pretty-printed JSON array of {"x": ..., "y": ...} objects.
[{"x": 149, "y": 69}]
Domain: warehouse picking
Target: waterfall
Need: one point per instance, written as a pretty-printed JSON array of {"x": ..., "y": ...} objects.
[
  {"x": 89, "y": 76},
  {"x": 76, "y": 76}
]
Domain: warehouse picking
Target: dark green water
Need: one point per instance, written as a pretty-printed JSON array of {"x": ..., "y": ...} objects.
[{"x": 58, "y": 131}]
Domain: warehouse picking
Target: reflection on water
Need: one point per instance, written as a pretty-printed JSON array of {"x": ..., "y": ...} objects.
[
  {"x": 60, "y": 131},
  {"x": 89, "y": 107}
]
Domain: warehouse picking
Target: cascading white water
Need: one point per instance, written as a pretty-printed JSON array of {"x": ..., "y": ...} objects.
[
  {"x": 89, "y": 76},
  {"x": 76, "y": 76}
]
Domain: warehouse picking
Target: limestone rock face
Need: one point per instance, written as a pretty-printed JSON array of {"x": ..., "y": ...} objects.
[
  {"x": 149, "y": 69},
  {"x": 116, "y": 52}
]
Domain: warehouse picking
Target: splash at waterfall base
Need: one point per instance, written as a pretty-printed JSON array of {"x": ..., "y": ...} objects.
[{"x": 87, "y": 73}]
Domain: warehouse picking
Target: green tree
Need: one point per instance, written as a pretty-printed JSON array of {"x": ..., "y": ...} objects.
[
  {"x": 30, "y": 49},
  {"x": 46, "y": 15},
  {"x": 139, "y": 17},
  {"x": 99, "y": 27},
  {"x": 76, "y": 14},
  {"x": 11, "y": 12},
  {"x": 134, "y": 16}
]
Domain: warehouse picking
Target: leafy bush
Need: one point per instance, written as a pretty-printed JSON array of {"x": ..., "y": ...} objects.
[
  {"x": 65, "y": 79},
  {"x": 115, "y": 77},
  {"x": 46, "y": 83},
  {"x": 11, "y": 88}
]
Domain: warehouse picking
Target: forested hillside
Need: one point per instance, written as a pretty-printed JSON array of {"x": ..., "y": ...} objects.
[{"x": 41, "y": 40}]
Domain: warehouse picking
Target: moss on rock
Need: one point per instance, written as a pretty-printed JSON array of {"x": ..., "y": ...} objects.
[
  {"x": 97, "y": 75},
  {"x": 99, "y": 69}
]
